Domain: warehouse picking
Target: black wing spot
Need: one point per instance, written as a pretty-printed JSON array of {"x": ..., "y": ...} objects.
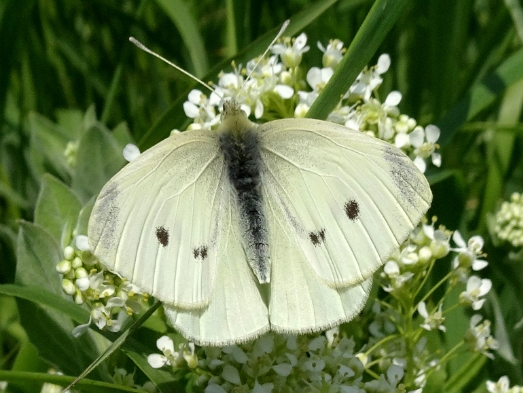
[
  {"x": 317, "y": 238},
  {"x": 352, "y": 209},
  {"x": 162, "y": 234},
  {"x": 200, "y": 252}
]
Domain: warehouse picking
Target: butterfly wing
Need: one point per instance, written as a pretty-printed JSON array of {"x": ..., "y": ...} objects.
[
  {"x": 236, "y": 311},
  {"x": 300, "y": 301},
  {"x": 157, "y": 222},
  {"x": 348, "y": 199}
]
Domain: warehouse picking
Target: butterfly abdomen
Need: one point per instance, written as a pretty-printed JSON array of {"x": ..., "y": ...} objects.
[{"x": 242, "y": 157}]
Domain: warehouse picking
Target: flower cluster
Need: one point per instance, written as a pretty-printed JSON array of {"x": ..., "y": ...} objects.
[
  {"x": 276, "y": 363},
  {"x": 110, "y": 298},
  {"x": 404, "y": 276},
  {"x": 276, "y": 88},
  {"x": 509, "y": 221}
]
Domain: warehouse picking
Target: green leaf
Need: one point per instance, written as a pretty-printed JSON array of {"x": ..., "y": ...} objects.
[
  {"x": 48, "y": 143},
  {"x": 99, "y": 158},
  {"x": 46, "y": 298},
  {"x": 178, "y": 11},
  {"x": 481, "y": 95},
  {"x": 37, "y": 255},
  {"x": 500, "y": 327},
  {"x": 86, "y": 385},
  {"x": 465, "y": 373},
  {"x": 122, "y": 134},
  {"x": 57, "y": 209},
  {"x": 380, "y": 19},
  {"x": 500, "y": 150},
  {"x": 83, "y": 218},
  {"x": 12, "y": 196},
  {"x": 72, "y": 121}
]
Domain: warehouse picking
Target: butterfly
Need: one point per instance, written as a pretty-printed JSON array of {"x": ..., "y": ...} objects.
[{"x": 257, "y": 227}]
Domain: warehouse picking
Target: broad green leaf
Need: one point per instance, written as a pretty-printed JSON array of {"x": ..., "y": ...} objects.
[
  {"x": 122, "y": 134},
  {"x": 57, "y": 209},
  {"x": 99, "y": 158},
  {"x": 83, "y": 218},
  {"x": 48, "y": 144},
  {"x": 72, "y": 121},
  {"x": 46, "y": 298},
  {"x": 37, "y": 255}
]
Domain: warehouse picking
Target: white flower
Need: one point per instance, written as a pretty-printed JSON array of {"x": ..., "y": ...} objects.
[
  {"x": 291, "y": 50},
  {"x": 169, "y": 356},
  {"x": 433, "y": 321},
  {"x": 189, "y": 355},
  {"x": 202, "y": 109},
  {"x": 381, "y": 115},
  {"x": 501, "y": 386},
  {"x": 130, "y": 152},
  {"x": 317, "y": 78},
  {"x": 370, "y": 78},
  {"x": 333, "y": 54},
  {"x": 479, "y": 338},
  {"x": 424, "y": 143},
  {"x": 468, "y": 252},
  {"x": 391, "y": 271},
  {"x": 476, "y": 287},
  {"x": 82, "y": 243},
  {"x": 439, "y": 245}
]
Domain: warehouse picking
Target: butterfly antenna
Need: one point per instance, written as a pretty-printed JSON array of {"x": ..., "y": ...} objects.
[
  {"x": 144, "y": 48},
  {"x": 283, "y": 28}
]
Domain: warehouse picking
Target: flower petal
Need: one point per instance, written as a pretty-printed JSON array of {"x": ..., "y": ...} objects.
[{"x": 130, "y": 152}]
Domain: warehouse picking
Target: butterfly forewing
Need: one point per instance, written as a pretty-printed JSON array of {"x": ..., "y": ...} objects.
[
  {"x": 166, "y": 242},
  {"x": 348, "y": 198}
]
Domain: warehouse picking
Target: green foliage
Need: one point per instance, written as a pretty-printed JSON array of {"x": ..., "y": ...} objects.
[{"x": 74, "y": 92}]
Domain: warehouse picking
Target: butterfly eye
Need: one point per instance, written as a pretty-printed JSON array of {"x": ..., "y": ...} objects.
[
  {"x": 318, "y": 237},
  {"x": 162, "y": 234},
  {"x": 200, "y": 252},
  {"x": 352, "y": 209}
]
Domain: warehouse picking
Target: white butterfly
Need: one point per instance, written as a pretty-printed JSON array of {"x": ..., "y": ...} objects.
[{"x": 251, "y": 228}]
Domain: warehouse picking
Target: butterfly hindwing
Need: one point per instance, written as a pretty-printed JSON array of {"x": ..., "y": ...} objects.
[
  {"x": 166, "y": 242},
  {"x": 236, "y": 311},
  {"x": 348, "y": 198},
  {"x": 301, "y": 302}
]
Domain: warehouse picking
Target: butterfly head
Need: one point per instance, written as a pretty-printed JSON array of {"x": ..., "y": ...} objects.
[
  {"x": 231, "y": 109},
  {"x": 234, "y": 118}
]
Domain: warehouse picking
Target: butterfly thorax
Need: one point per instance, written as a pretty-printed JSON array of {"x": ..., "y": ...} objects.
[{"x": 240, "y": 144}]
